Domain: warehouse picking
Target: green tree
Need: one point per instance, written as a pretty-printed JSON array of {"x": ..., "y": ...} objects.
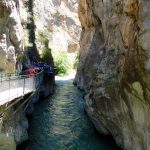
[{"x": 62, "y": 62}]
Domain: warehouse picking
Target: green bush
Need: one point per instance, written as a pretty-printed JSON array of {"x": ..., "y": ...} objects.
[
  {"x": 62, "y": 62},
  {"x": 45, "y": 55},
  {"x": 76, "y": 61},
  {"x": 94, "y": 70}
]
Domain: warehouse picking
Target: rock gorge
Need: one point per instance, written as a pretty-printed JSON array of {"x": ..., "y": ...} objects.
[
  {"x": 114, "y": 60},
  {"x": 114, "y": 68}
]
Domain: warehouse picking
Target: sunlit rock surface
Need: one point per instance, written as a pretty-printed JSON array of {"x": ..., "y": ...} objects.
[
  {"x": 11, "y": 36},
  {"x": 114, "y": 68},
  {"x": 60, "y": 19}
]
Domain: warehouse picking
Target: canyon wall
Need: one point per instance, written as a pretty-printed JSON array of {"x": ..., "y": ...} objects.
[
  {"x": 59, "y": 19},
  {"x": 114, "y": 68},
  {"x": 11, "y": 36}
]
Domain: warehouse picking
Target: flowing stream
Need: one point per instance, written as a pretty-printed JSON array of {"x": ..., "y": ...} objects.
[{"x": 60, "y": 123}]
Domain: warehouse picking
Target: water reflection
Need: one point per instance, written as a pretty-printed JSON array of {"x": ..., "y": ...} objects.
[{"x": 60, "y": 123}]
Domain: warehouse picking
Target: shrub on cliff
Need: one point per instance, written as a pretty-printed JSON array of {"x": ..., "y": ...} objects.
[
  {"x": 62, "y": 62},
  {"x": 76, "y": 60},
  {"x": 46, "y": 55}
]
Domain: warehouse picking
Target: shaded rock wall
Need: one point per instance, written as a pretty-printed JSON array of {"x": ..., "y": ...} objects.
[
  {"x": 114, "y": 68},
  {"x": 13, "y": 127}
]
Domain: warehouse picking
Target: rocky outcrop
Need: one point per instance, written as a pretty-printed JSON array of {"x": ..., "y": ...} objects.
[
  {"x": 114, "y": 69},
  {"x": 11, "y": 36}
]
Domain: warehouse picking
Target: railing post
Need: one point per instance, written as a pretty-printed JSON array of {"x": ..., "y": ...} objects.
[
  {"x": 1, "y": 77},
  {"x": 17, "y": 85},
  {"x": 33, "y": 83},
  {"x": 23, "y": 85},
  {"x": 9, "y": 87}
]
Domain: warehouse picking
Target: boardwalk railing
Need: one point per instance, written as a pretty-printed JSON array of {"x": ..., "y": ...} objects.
[{"x": 15, "y": 86}]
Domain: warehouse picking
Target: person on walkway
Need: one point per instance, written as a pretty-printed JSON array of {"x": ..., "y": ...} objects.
[{"x": 31, "y": 71}]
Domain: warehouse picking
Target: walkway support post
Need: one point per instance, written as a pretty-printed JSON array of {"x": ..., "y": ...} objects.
[
  {"x": 23, "y": 85},
  {"x": 1, "y": 77},
  {"x": 9, "y": 87},
  {"x": 17, "y": 86}
]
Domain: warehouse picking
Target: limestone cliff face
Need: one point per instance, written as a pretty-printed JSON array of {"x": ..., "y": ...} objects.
[
  {"x": 11, "y": 36},
  {"x": 114, "y": 68},
  {"x": 59, "y": 19}
]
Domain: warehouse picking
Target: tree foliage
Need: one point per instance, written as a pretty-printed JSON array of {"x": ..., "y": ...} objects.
[{"x": 62, "y": 62}]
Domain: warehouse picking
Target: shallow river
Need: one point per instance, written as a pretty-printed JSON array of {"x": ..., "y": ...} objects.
[{"x": 60, "y": 123}]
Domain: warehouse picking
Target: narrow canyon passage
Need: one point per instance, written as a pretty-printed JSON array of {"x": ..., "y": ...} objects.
[{"x": 60, "y": 123}]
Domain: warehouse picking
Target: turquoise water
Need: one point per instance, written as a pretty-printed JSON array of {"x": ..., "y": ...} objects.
[{"x": 60, "y": 123}]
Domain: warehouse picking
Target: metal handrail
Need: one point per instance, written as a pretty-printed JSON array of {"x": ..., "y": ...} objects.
[
  {"x": 19, "y": 85},
  {"x": 9, "y": 77}
]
